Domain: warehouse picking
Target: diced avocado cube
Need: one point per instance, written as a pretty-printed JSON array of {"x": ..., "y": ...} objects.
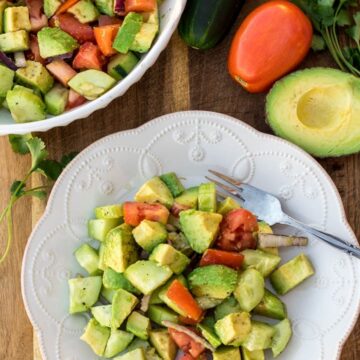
[
  {"x": 216, "y": 281},
  {"x": 158, "y": 314},
  {"x": 227, "y": 205},
  {"x": 105, "y": 6},
  {"x": 92, "y": 83},
  {"x": 24, "y": 105},
  {"x": 54, "y": 42},
  {"x": 291, "y": 274},
  {"x": 165, "y": 254},
  {"x": 200, "y": 228},
  {"x": 123, "y": 303},
  {"x": 250, "y": 289},
  {"x": 163, "y": 343},
  {"x": 139, "y": 325},
  {"x": 83, "y": 293},
  {"x": 234, "y": 328},
  {"x": 108, "y": 294},
  {"x": 208, "y": 332},
  {"x": 96, "y": 336},
  {"x": 56, "y": 99},
  {"x": 173, "y": 183},
  {"x": 114, "y": 280},
  {"x": 35, "y": 76},
  {"x": 118, "y": 341},
  {"x": 147, "y": 275},
  {"x": 99, "y": 228},
  {"x": 153, "y": 191},
  {"x": 252, "y": 355},
  {"x": 102, "y": 314},
  {"x": 148, "y": 234},
  {"x": 206, "y": 302},
  {"x": 137, "y": 354},
  {"x": 227, "y": 353},
  {"x": 228, "y": 306},
  {"x": 207, "y": 197},
  {"x": 88, "y": 258},
  {"x": 7, "y": 80},
  {"x": 281, "y": 337},
  {"x": 148, "y": 31},
  {"x": 271, "y": 306},
  {"x": 121, "y": 65},
  {"x": 85, "y": 11},
  {"x": 16, "y": 18},
  {"x": 3, "y": 5},
  {"x": 262, "y": 261},
  {"x": 14, "y": 41},
  {"x": 50, "y": 7},
  {"x": 109, "y": 212},
  {"x": 260, "y": 337},
  {"x": 120, "y": 249},
  {"x": 189, "y": 197},
  {"x": 127, "y": 32}
]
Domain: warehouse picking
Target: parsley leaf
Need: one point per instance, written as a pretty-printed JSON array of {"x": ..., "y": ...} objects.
[
  {"x": 66, "y": 159},
  {"x": 19, "y": 143},
  {"x": 17, "y": 188},
  {"x": 50, "y": 168},
  {"x": 38, "y": 152}
]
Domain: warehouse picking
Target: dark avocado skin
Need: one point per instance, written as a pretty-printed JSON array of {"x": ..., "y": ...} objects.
[{"x": 205, "y": 23}]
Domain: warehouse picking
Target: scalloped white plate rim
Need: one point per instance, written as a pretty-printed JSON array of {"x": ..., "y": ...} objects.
[
  {"x": 118, "y": 90},
  {"x": 143, "y": 127}
]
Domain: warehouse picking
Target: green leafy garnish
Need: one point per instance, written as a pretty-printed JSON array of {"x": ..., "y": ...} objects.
[
  {"x": 50, "y": 169},
  {"x": 327, "y": 16}
]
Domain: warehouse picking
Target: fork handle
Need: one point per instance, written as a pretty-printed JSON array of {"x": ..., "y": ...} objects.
[{"x": 347, "y": 247}]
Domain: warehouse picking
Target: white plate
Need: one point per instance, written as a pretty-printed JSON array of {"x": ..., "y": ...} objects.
[
  {"x": 323, "y": 309},
  {"x": 170, "y": 13}
]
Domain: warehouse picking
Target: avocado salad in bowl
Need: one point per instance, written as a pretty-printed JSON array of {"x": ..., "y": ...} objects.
[
  {"x": 62, "y": 60},
  {"x": 178, "y": 269}
]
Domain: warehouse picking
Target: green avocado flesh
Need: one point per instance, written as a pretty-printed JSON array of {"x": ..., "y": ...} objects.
[{"x": 318, "y": 109}]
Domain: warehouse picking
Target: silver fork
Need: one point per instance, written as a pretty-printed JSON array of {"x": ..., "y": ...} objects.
[{"x": 268, "y": 208}]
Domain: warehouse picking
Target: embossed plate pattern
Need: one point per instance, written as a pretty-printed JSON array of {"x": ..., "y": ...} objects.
[{"x": 323, "y": 310}]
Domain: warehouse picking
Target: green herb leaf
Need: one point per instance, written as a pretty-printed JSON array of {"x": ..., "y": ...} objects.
[
  {"x": 343, "y": 18},
  {"x": 66, "y": 159},
  {"x": 318, "y": 43},
  {"x": 19, "y": 143},
  {"x": 38, "y": 152},
  {"x": 17, "y": 188},
  {"x": 50, "y": 168}
]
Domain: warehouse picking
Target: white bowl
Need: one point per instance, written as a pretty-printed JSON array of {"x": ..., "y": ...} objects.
[
  {"x": 323, "y": 310},
  {"x": 170, "y": 13}
]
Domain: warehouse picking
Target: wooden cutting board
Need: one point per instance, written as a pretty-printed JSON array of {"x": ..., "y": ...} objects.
[{"x": 182, "y": 79}]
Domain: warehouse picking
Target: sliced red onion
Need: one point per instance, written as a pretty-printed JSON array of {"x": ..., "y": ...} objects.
[
  {"x": 66, "y": 56},
  {"x": 20, "y": 60},
  {"x": 145, "y": 302},
  {"x": 190, "y": 333},
  {"x": 119, "y": 7},
  {"x": 7, "y": 61}
]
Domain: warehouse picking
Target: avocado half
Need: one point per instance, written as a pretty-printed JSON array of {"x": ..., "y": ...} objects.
[{"x": 318, "y": 109}]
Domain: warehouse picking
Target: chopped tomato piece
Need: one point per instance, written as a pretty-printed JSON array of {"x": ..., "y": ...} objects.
[
  {"x": 34, "y": 52},
  {"x": 182, "y": 297},
  {"x": 135, "y": 212},
  {"x": 38, "y": 23},
  {"x": 74, "y": 100},
  {"x": 140, "y": 5},
  {"x": 187, "y": 320},
  {"x": 81, "y": 32},
  {"x": 65, "y": 6},
  {"x": 35, "y": 8},
  {"x": 237, "y": 231},
  {"x": 186, "y": 343},
  {"x": 88, "y": 57},
  {"x": 177, "y": 208},
  {"x": 219, "y": 257},
  {"x": 61, "y": 70},
  {"x": 105, "y": 36},
  {"x": 108, "y": 20}
]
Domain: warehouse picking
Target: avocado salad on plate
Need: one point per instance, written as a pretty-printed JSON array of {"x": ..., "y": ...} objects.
[
  {"x": 176, "y": 269},
  {"x": 55, "y": 55}
]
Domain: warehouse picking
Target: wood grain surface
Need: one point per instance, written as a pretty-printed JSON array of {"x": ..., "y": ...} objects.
[{"x": 182, "y": 79}]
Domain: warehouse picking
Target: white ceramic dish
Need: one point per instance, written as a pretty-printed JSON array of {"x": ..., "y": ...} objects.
[
  {"x": 170, "y": 13},
  {"x": 323, "y": 309}
]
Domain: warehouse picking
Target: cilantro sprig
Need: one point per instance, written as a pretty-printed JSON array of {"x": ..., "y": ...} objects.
[
  {"x": 50, "y": 169},
  {"x": 327, "y": 17}
]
